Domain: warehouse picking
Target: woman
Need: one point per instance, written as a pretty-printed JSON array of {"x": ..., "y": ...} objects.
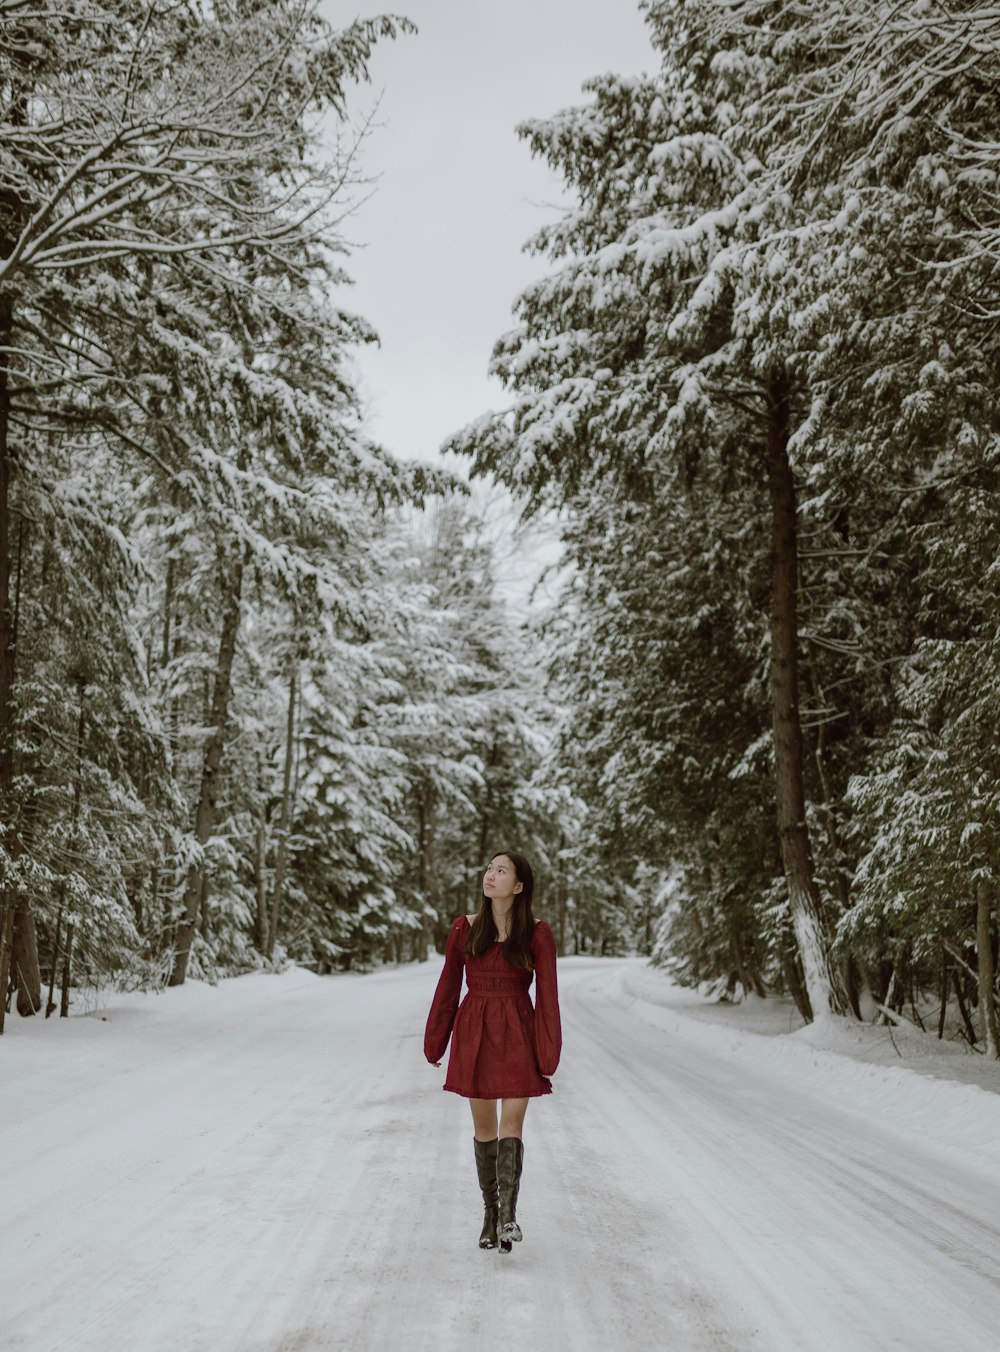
[{"x": 501, "y": 1047}]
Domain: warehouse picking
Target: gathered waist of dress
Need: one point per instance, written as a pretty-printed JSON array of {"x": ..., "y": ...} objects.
[{"x": 496, "y": 985}]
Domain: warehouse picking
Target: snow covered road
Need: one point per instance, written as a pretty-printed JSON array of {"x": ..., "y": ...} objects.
[{"x": 271, "y": 1165}]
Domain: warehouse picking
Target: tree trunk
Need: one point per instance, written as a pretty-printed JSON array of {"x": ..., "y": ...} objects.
[
  {"x": 984, "y": 947},
  {"x": 827, "y": 813},
  {"x": 205, "y": 811},
  {"x": 821, "y": 979},
  {"x": 425, "y": 805},
  {"x": 24, "y": 960},
  {"x": 74, "y": 819},
  {"x": 50, "y": 1003},
  {"x": 286, "y": 818},
  {"x": 894, "y": 996},
  {"x": 6, "y": 614},
  {"x": 963, "y": 1009},
  {"x": 6, "y": 941},
  {"x": 741, "y": 969},
  {"x": 792, "y": 974},
  {"x": 67, "y": 972},
  {"x": 563, "y": 898},
  {"x": 943, "y": 1012},
  {"x": 203, "y": 905},
  {"x": 24, "y": 955},
  {"x": 168, "y": 601},
  {"x": 260, "y": 870},
  {"x": 849, "y": 973}
]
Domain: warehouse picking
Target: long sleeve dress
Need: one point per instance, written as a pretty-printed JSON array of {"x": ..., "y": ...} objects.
[{"x": 501, "y": 1045}]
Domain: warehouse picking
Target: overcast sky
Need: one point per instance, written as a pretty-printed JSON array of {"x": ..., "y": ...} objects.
[{"x": 458, "y": 192}]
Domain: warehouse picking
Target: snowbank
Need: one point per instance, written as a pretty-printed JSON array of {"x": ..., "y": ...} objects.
[{"x": 834, "y": 1061}]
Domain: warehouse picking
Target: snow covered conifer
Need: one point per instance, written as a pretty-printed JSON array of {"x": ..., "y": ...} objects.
[
  {"x": 652, "y": 350},
  {"x": 163, "y": 211}
]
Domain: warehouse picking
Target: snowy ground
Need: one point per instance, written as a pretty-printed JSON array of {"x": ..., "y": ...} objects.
[{"x": 270, "y": 1165}]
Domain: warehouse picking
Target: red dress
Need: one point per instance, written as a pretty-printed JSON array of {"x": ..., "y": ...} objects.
[{"x": 501, "y": 1046}]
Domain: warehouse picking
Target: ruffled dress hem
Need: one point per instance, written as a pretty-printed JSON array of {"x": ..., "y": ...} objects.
[{"x": 506, "y": 1094}]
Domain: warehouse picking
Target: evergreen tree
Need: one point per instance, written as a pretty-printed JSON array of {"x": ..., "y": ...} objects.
[
  {"x": 648, "y": 355},
  {"x": 163, "y": 219}
]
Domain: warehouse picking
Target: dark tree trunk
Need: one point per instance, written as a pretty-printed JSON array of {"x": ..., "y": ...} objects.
[
  {"x": 212, "y": 761},
  {"x": 285, "y": 820},
  {"x": 50, "y": 1003},
  {"x": 24, "y": 954},
  {"x": 425, "y": 807},
  {"x": 260, "y": 868},
  {"x": 902, "y": 977},
  {"x": 943, "y": 1012},
  {"x": 563, "y": 899},
  {"x": 168, "y": 601},
  {"x": 822, "y": 981},
  {"x": 963, "y": 1009},
  {"x": 67, "y": 972},
  {"x": 984, "y": 950},
  {"x": 24, "y": 960},
  {"x": 852, "y": 983},
  {"x": 792, "y": 973},
  {"x": 6, "y": 614},
  {"x": 6, "y": 940},
  {"x": 14, "y": 209},
  {"x": 81, "y": 721},
  {"x": 741, "y": 969}
]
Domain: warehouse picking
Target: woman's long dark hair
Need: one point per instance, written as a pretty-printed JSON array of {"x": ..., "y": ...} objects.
[{"x": 483, "y": 933}]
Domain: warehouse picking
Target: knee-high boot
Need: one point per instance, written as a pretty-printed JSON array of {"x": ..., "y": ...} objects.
[
  {"x": 486, "y": 1167},
  {"x": 510, "y": 1156}
]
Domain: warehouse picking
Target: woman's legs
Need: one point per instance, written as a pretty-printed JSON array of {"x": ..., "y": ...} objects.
[
  {"x": 500, "y": 1160},
  {"x": 484, "y": 1118},
  {"x": 512, "y": 1116},
  {"x": 484, "y": 1121}
]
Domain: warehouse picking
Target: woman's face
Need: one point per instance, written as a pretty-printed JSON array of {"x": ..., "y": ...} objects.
[{"x": 500, "y": 880}]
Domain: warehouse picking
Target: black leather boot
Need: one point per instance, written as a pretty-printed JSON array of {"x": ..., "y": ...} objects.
[
  {"x": 510, "y": 1156},
  {"x": 486, "y": 1167}
]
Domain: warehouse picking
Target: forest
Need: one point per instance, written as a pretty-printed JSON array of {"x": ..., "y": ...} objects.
[{"x": 261, "y": 696}]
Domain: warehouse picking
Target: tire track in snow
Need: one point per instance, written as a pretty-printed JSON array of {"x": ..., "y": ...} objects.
[{"x": 828, "y": 1235}]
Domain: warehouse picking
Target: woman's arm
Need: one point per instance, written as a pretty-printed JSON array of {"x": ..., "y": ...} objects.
[
  {"x": 445, "y": 1002},
  {"x": 548, "y": 1029}
]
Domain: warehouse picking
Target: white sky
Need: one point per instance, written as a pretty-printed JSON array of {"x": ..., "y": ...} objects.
[{"x": 458, "y": 193}]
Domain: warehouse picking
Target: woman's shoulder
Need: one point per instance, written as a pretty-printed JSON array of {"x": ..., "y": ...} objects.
[{"x": 543, "y": 933}]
